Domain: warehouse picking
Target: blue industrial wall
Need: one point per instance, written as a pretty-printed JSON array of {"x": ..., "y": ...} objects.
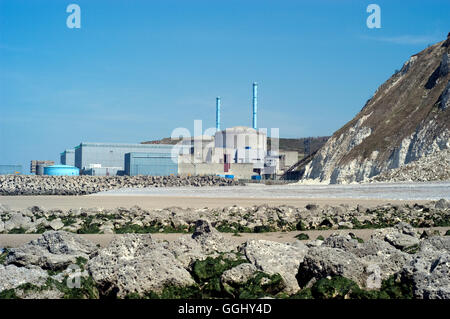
[
  {"x": 10, "y": 169},
  {"x": 154, "y": 164}
]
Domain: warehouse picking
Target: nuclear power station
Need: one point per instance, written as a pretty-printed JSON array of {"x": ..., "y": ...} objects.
[{"x": 236, "y": 152}]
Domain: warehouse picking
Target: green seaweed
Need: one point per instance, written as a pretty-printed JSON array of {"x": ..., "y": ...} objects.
[{"x": 302, "y": 236}]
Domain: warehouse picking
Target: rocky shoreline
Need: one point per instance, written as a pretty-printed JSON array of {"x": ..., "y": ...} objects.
[
  {"x": 434, "y": 167},
  {"x": 395, "y": 262},
  {"x": 232, "y": 219},
  {"x": 83, "y": 185}
]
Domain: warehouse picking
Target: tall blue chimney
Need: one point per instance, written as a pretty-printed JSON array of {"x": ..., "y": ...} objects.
[
  {"x": 218, "y": 113},
  {"x": 255, "y": 104}
]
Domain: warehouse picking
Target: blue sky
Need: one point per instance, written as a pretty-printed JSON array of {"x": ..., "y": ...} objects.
[{"x": 138, "y": 69}]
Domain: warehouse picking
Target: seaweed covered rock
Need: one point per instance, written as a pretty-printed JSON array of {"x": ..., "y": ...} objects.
[
  {"x": 210, "y": 239},
  {"x": 238, "y": 275},
  {"x": 13, "y": 276},
  {"x": 135, "y": 264},
  {"x": 206, "y": 241},
  {"x": 54, "y": 250},
  {"x": 321, "y": 262},
  {"x": 272, "y": 257}
]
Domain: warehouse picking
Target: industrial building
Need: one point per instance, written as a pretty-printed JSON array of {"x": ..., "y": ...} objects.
[
  {"x": 37, "y": 167},
  {"x": 96, "y": 158},
  {"x": 10, "y": 169},
  {"x": 155, "y": 164},
  {"x": 239, "y": 152},
  {"x": 68, "y": 157}
]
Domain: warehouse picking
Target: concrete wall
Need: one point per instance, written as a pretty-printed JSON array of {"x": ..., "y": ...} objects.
[
  {"x": 240, "y": 171},
  {"x": 68, "y": 157},
  {"x": 290, "y": 158}
]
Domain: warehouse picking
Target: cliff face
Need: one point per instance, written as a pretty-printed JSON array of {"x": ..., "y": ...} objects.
[{"x": 407, "y": 118}]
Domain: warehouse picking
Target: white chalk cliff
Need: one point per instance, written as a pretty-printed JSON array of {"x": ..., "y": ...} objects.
[{"x": 407, "y": 118}]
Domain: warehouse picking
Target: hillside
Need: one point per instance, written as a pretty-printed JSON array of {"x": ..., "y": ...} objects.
[{"x": 407, "y": 118}]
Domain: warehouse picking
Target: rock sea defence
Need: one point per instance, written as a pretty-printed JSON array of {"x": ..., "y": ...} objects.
[
  {"x": 395, "y": 263},
  {"x": 232, "y": 219},
  {"x": 83, "y": 185}
]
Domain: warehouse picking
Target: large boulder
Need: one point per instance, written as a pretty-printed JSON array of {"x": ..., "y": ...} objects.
[
  {"x": 403, "y": 236},
  {"x": 272, "y": 257},
  {"x": 210, "y": 239},
  {"x": 378, "y": 258},
  {"x": 429, "y": 270},
  {"x": 54, "y": 250},
  {"x": 13, "y": 276},
  {"x": 206, "y": 241},
  {"x": 322, "y": 261},
  {"x": 135, "y": 263},
  {"x": 17, "y": 220}
]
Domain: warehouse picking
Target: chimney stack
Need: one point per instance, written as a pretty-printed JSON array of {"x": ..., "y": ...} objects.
[
  {"x": 218, "y": 113},
  {"x": 255, "y": 104}
]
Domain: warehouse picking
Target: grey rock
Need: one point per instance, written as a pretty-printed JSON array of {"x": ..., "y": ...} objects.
[
  {"x": 345, "y": 242},
  {"x": 56, "y": 224},
  {"x": 53, "y": 250},
  {"x": 210, "y": 239},
  {"x": 321, "y": 262},
  {"x": 17, "y": 220},
  {"x": 206, "y": 241},
  {"x": 13, "y": 276},
  {"x": 136, "y": 264},
  {"x": 381, "y": 256},
  {"x": 429, "y": 273},
  {"x": 403, "y": 236},
  {"x": 239, "y": 274},
  {"x": 272, "y": 257}
]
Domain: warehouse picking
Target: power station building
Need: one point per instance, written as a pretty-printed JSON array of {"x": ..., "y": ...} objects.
[
  {"x": 109, "y": 158},
  {"x": 68, "y": 157},
  {"x": 239, "y": 152}
]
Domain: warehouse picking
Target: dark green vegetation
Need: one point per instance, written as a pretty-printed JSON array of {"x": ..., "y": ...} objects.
[
  {"x": 312, "y": 217},
  {"x": 302, "y": 236},
  {"x": 342, "y": 288},
  {"x": 353, "y": 236},
  {"x": 3, "y": 256},
  {"x": 207, "y": 275},
  {"x": 447, "y": 233}
]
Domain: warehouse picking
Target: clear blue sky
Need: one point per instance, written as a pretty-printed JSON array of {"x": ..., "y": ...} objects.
[{"x": 138, "y": 69}]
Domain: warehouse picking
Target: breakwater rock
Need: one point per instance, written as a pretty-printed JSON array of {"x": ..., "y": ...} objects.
[
  {"x": 83, "y": 185},
  {"x": 139, "y": 266},
  {"x": 233, "y": 219}
]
